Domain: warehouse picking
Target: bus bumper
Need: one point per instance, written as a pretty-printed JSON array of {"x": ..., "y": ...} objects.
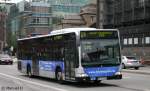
[
  {"x": 117, "y": 77},
  {"x": 114, "y": 77}
]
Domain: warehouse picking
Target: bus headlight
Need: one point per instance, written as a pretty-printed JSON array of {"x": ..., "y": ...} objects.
[{"x": 118, "y": 73}]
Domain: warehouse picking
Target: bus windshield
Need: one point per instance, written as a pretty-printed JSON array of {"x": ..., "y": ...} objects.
[{"x": 100, "y": 52}]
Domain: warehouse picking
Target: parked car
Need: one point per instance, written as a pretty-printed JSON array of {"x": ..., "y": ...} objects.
[
  {"x": 5, "y": 59},
  {"x": 130, "y": 62}
]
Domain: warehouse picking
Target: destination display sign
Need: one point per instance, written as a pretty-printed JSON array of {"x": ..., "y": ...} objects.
[{"x": 98, "y": 34}]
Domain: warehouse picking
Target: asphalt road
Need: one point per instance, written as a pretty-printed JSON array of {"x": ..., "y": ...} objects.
[{"x": 12, "y": 80}]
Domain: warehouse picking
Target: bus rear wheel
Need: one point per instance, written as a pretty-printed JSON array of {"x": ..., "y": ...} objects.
[
  {"x": 29, "y": 74},
  {"x": 59, "y": 76}
]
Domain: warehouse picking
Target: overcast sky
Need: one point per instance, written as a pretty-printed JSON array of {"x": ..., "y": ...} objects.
[{"x": 12, "y": 1}]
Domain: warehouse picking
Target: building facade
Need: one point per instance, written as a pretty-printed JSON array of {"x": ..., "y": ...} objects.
[
  {"x": 132, "y": 18},
  {"x": 33, "y": 18},
  {"x": 88, "y": 14},
  {"x": 39, "y": 19},
  {"x": 6, "y": 6},
  {"x": 63, "y": 8},
  {"x": 71, "y": 21},
  {"x": 105, "y": 14}
]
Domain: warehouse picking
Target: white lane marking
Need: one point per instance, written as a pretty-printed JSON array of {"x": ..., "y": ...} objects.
[
  {"x": 126, "y": 77},
  {"x": 34, "y": 83},
  {"x": 146, "y": 89}
]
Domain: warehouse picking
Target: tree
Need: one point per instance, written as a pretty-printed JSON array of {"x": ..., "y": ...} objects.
[{"x": 3, "y": 9}]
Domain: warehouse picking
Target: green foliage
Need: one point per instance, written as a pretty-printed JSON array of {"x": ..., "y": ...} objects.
[
  {"x": 56, "y": 20},
  {"x": 12, "y": 40},
  {"x": 3, "y": 9}
]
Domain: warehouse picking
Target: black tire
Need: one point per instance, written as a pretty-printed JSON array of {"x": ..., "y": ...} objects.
[
  {"x": 58, "y": 75},
  {"x": 11, "y": 63},
  {"x": 137, "y": 68},
  {"x": 29, "y": 73},
  {"x": 96, "y": 82}
]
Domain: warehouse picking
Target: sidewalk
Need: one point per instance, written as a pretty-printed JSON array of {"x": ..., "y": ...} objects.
[{"x": 143, "y": 70}]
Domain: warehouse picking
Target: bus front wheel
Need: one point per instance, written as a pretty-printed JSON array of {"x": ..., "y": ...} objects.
[{"x": 97, "y": 82}]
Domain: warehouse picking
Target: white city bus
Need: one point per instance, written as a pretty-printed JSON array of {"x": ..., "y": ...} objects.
[{"x": 73, "y": 54}]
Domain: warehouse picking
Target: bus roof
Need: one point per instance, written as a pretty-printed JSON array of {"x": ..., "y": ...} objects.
[{"x": 66, "y": 30}]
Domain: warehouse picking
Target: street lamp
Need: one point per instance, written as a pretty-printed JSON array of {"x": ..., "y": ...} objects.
[{"x": 100, "y": 12}]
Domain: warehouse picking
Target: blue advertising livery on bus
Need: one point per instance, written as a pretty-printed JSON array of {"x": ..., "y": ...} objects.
[{"x": 72, "y": 54}]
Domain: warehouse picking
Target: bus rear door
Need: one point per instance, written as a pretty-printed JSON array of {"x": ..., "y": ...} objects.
[{"x": 69, "y": 59}]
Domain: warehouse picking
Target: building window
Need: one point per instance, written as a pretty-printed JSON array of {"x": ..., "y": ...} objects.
[
  {"x": 35, "y": 20},
  {"x": 147, "y": 40},
  {"x": 135, "y": 40},
  {"x": 125, "y": 41},
  {"x": 130, "y": 41}
]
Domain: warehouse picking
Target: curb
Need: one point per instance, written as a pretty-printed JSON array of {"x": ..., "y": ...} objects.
[{"x": 136, "y": 72}]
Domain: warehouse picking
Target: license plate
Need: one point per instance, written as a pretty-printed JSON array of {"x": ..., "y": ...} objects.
[
  {"x": 93, "y": 78},
  {"x": 102, "y": 78}
]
